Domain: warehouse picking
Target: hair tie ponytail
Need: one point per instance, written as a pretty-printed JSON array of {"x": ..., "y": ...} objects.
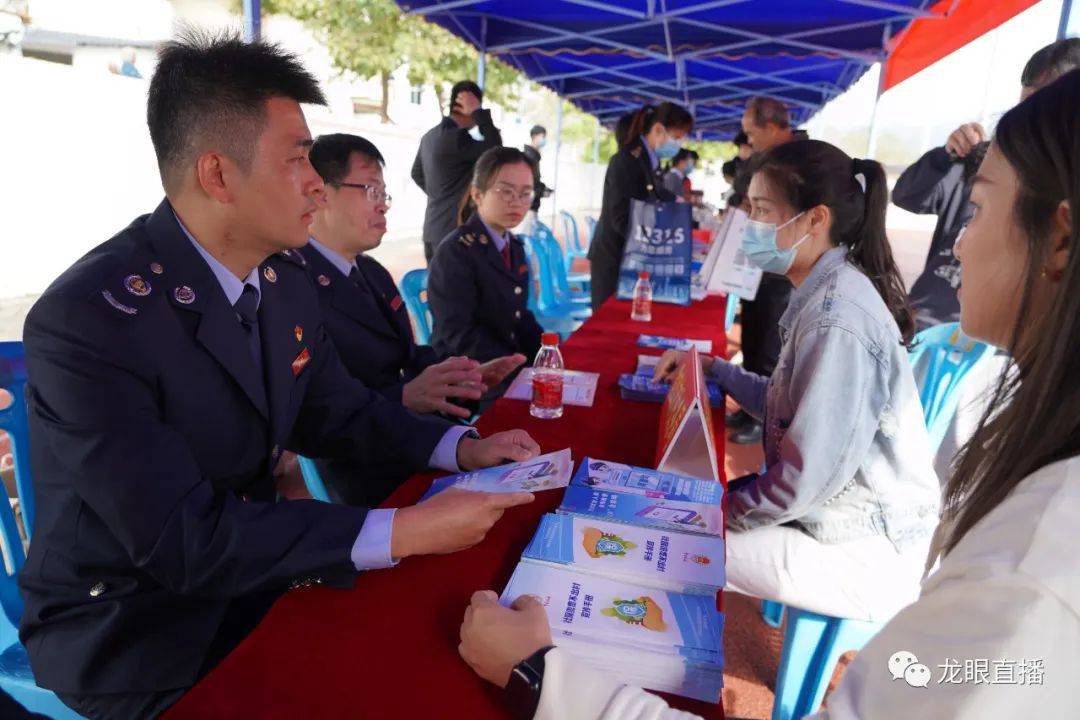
[{"x": 858, "y": 171}]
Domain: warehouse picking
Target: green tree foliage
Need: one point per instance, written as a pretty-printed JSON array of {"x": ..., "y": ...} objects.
[{"x": 374, "y": 38}]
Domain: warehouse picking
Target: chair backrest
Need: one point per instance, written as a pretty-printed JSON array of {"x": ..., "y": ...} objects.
[
  {"x": 949, "y": 355},
  {"x": 570, "y": 232},
  {"x": 591, "y": 222},
  {"x": 541, "y": 293},
  {"x": 414, "y": 291},
  {"x": 556, "y": 267},
  {"x": 312, "y": 478},
  {"x": 13, "y": 420}
]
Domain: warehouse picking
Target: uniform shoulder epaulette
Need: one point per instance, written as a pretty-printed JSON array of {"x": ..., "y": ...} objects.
[
  {"x": 469, "y": 238},
  {"x": 293, "y": 256}
]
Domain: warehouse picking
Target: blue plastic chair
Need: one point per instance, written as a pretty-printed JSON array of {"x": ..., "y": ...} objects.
[
  {"x": 312, "y": 479},
  {"x": 571, "y": 286},
  {"x": 414, "y": 292},
  {"x": 591, "y": 222},
  {"x": 16, "y": 678},
  {"x": 552, "y": 316},
  {"x": 13, "y": 420},
  {"x": 950, "y": 356},
  {"x": 579, "y": 309},
  {"x": 812, "y": 645},
  {"x": 571, "y": 237}
]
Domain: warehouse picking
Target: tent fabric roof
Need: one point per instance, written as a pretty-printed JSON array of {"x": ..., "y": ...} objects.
[{"x": 610, "y": 56}]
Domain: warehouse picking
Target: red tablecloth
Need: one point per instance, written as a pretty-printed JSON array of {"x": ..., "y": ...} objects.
[{"x": 388, "y": 648}]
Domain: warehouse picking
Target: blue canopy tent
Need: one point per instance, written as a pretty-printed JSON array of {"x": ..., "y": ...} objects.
[{"x": 611, "y": 56}]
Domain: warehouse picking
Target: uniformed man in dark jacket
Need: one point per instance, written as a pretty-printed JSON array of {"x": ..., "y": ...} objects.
[
  {"x": 444, "y": 162},
  {"x": 365, "y": 314},
  {"x": 168, "y": 369},
  {"x": 633, "y": 173},
  {"x": 479, "y": 281}
]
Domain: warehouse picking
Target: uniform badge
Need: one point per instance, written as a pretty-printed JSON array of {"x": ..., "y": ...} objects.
[
  {"x": 299, "y": 333},
  {"x": 396, "y": 303},
  {"x": 126, "y": 309},
  {"x": 136, "y": 285},
  {"x": 300, "y": 362},
  {"x": 323, "y": 280},
  {"x": 522, "y": 269},
  {"x": 155, "y": 267},
  {"x": 269, "y": 274},
  {"x": 184, "y": 295}
]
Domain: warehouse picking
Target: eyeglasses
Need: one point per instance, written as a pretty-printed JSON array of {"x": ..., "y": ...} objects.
[
  {"x": 509, "y": 195},
  {"x": 375, "y": 193}
]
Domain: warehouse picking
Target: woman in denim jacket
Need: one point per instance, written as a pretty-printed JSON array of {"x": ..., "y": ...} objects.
[{"x": 840, "y": 520}]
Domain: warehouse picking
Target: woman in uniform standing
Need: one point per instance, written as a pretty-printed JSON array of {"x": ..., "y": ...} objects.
[
  {"x": 633, "y": 174},
  {"x": 478, "y": 281}
]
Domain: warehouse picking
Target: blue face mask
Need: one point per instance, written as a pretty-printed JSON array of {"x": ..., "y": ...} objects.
[
  {"x": 668, "y": 149},
  {"x": 541, "y": 143},
  {"x": 689, "y": 167},
  {"x": 759, "y": 245}
]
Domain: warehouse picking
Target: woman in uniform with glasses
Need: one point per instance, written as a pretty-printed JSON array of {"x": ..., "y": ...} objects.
[{"x": 479, "y": 281}]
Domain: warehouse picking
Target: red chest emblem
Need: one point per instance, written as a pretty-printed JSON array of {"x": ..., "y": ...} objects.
[
  {"x": 396, "y": 303},
  {"x": 301, "y": 361},
  {"x": 523, "y": 269}
]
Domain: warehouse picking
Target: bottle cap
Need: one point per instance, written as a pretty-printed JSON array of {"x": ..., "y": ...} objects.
[
  {"x": 550, "y": 338},
  {"x": 643, "y": 275}
]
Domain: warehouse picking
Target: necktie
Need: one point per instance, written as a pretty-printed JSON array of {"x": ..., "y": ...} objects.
[
  {"x": 506, "y": 254},
  {"x": 247, "y": 309}
]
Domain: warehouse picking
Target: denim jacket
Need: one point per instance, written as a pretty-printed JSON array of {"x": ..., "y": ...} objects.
[{"x": 847, "y": 454}]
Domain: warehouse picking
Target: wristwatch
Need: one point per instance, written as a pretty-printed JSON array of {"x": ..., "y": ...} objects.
[{"x": 526, "y": 681}]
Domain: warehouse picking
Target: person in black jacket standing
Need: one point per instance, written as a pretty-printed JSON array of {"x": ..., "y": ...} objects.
[
  {"x": 633, "y": 174},
  {"x": 537, "y": 140},
  {"x": 939, "y": 183},
  {"x": 444, "y": 162}
]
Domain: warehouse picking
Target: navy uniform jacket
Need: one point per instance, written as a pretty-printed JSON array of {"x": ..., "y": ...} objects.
[
  {"x": 152, "y": 446},
  {"x": 479, "y": 305},
  {"x": 369, "y": 324},
  {"x": 630, "y": 176},
  {"x": 443, "y": 169}
]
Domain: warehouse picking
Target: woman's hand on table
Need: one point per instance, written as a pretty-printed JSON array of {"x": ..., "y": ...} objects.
[
  {"x": 495, "y": 638},
  {"x": 452, "y": 520},
  {"x": 672, "y": 360},
  {"x": 500, "y": 447}
]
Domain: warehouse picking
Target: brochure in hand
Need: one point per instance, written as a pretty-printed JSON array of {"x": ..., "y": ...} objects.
[
  {"x": 661, "y": 640},
  {"x": 545, "y": 472}
]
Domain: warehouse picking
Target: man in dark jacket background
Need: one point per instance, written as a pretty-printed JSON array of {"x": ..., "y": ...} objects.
[{"x": 444, "y": 162}]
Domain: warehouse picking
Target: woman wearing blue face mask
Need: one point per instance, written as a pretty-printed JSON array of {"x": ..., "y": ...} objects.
[
  {"x": 655, "y": 134},
  {"x": 841, "y": 519},
  {"x": 677, "y": 178}
]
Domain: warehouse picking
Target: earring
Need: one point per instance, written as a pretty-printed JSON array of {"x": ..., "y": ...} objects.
[{"x": 1043, "y": 274}]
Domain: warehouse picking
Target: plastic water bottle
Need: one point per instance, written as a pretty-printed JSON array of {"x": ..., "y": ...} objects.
[
  {"x": 547, "y": 380},
  {"x": 641, "y": 307}
]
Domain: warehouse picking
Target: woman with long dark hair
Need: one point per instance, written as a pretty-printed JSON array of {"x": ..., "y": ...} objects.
[
  {"x": 633, "y": 173},
  {"x": 841, "y": 519},
  {"x": 1006, "y": 594},
  {"x": 478, "y": 281}
]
